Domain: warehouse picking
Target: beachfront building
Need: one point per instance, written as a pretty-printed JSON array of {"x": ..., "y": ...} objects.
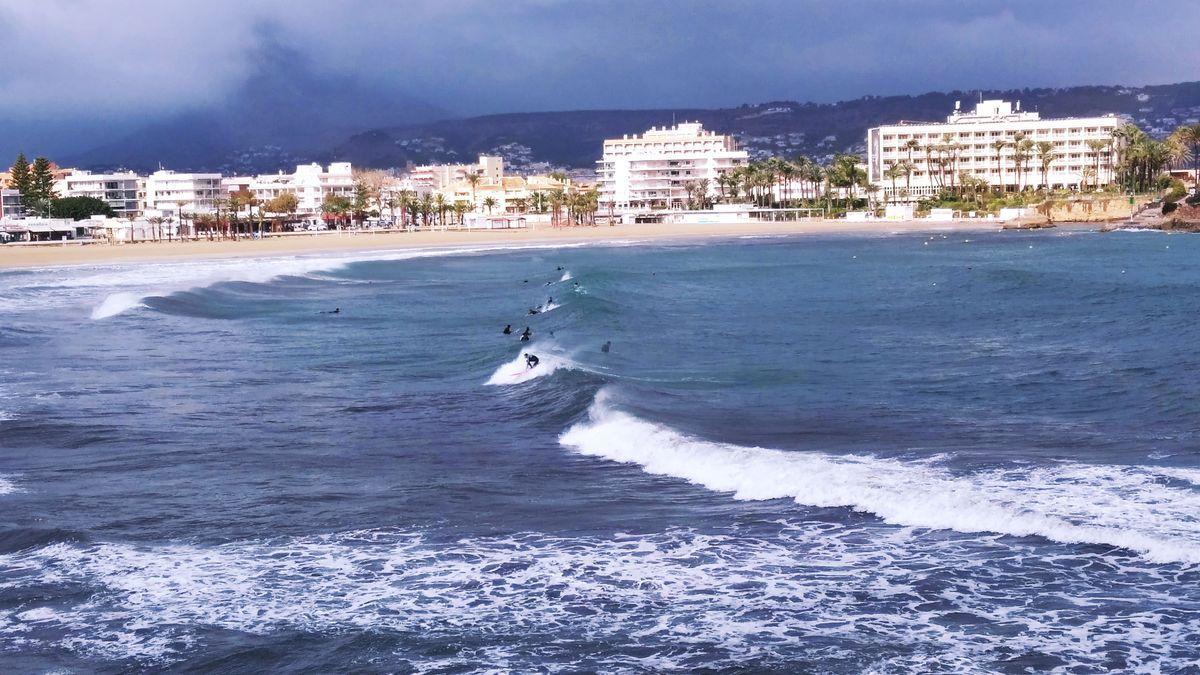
[
  {"x": 433, "y": 177},
  {"x": 168, "y": 194},
  {"x": 989, "y": 143},
  {"x": 652, "y": 171},
  {"x": 121, "y": 191},
  {"x": 509, "y": 195},
  {"x": 10, "y": 203},
  {"x": 311, "y": 183}
]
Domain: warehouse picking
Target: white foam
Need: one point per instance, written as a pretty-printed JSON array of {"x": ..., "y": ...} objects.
[
  {"x": 550, "y": 307},
  {"x": 517, "y": 372},
  {"x": 566, "y": 276},
  {"x": 1121, "y": 506},
  {"x": 115, "y": 304},
  {"x": 7, "y": 486},
  {"x": 113, "y": 289},
  {"x": 534, "y": 599}
]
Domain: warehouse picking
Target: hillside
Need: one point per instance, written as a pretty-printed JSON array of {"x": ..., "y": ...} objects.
[{"x": 534, "y": 141}]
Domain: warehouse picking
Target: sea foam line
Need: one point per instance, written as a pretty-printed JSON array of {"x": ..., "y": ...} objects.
[
  {"x": 1125, "y": 507},
  {"x": 117, "y": 288}
]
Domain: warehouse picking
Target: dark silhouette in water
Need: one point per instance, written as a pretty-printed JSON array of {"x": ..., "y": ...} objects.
[
  {"x": 508, "y": 329},
  {"x": 533, "y": 311},
  {"x": 606, "y": 347},
  {"x": 525, "y": 334},
  {"x": 531, "y": 361}
]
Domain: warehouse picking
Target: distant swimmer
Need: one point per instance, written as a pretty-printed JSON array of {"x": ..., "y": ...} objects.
[
  {"x": 558, "y": 269},
  {"x": 531, "y": 361},
  {"x": 335, "y": 310},
  {"x": 550, "y": 301},
  {"x": 533, "y": 311},
  {"x": 606, "y": 347},
  {"x": 508, "y": 329}
]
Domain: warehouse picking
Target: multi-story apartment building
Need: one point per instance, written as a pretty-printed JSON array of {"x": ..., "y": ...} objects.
[
  {"x": 10, "y": 203},
  {"x": 504, "y": 196},
  {"x": 168, "y": 194},
  {"x": 434, "y": 177},
  {"x": 311, "y": 183},
  {"x": 651, "y": 171},
  {"x": 120, "y": 190},
  {"x": 986, "y": 144}
]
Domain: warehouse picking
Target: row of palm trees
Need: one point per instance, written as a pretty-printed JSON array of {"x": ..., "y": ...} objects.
[{"x": 432, "y": 210}]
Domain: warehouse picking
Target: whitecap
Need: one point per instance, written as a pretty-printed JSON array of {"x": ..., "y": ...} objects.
[
  {"x": 1127, "y": 507},
  {"x": 516, "y": 371}
]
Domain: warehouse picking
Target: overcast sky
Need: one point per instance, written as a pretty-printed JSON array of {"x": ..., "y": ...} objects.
[{"x": 92, "y": 63}]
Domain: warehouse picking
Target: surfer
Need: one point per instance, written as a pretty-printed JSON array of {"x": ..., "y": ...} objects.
[
  {"x": 531, "y": 361},
  {"x": 335, "y": 310},
  {"x": 533, "y": 311},
  {"x": 549, "y": 301},
  {"x": 558, "y": 269},
  {"x": 606, "y": 347},
  {"x": 508, "y": 329},
  {"x": 525, "y": 334}
]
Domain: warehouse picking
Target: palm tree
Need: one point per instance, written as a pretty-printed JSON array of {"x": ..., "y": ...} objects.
[
  {"x": 928, "y": 149},
  {"x": 473, "y": 179},
  {"x": 426, "y": 208},
  {"x": 1046, "y": 157},
  {"x": 1186, "y": 143},
  {"x": 723, "y": 181},
  {"x": 893, "y": 172},
  {"x": 910, "y": 145},
  {"x": 1097, "y": 146},
  {"x": 999, "y": 145},
  {"x": 1025, "y": 147},
  {"x": 488, "y": 203}
]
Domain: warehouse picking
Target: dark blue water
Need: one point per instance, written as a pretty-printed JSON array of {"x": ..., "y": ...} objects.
[{"x": 911, "y": 453}]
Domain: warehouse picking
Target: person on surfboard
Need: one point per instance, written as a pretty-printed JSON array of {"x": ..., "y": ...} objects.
[{"x": 531, "y": 361}]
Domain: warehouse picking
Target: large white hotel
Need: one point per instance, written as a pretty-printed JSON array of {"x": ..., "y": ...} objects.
[
  {"x": 651, "y": 171},
  {"x": 975, "y": 136}
]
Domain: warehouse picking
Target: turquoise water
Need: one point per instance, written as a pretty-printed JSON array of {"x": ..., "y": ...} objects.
[{"x": 952, "y": 453}]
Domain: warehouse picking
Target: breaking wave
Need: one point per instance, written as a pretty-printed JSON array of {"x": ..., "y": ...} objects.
[
  {"x": 516, "y": 371},
  {"x": 1128, "y": 507}
]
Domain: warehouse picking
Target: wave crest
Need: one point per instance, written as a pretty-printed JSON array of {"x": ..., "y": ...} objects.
[{"x": 1126, "y": 507}]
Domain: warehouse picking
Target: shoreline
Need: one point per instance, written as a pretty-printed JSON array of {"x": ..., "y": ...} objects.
[{"x": 20, "y": 257}]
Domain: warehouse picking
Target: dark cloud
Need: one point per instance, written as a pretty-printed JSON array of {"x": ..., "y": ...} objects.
[{"x": 97, "y": 64}]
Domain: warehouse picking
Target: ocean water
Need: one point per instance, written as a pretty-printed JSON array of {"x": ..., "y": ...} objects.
[{"x": 931, "y": 453}]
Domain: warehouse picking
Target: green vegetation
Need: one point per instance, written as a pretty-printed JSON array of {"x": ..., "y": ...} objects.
[
  {"x": 19, "y": 177},
  {"x": 80, "y": 208}
]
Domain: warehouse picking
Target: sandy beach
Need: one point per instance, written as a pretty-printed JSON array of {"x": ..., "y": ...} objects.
[{"x": 15, "y": 256}]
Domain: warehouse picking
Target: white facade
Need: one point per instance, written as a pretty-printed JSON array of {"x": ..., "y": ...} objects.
[
  {"x": 651, "y": 170},
  {"x": 168, "y": 194},
  {"x": 966, "y": 142},
  {"x": 434, "y": 177},
  {"x": 120, "y": 190},
  {"x": 311, "y": 183},
  {"x": 10, "y": 203}
]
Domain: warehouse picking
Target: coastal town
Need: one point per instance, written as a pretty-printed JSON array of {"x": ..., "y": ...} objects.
[{"x": 993, "y": 162}]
